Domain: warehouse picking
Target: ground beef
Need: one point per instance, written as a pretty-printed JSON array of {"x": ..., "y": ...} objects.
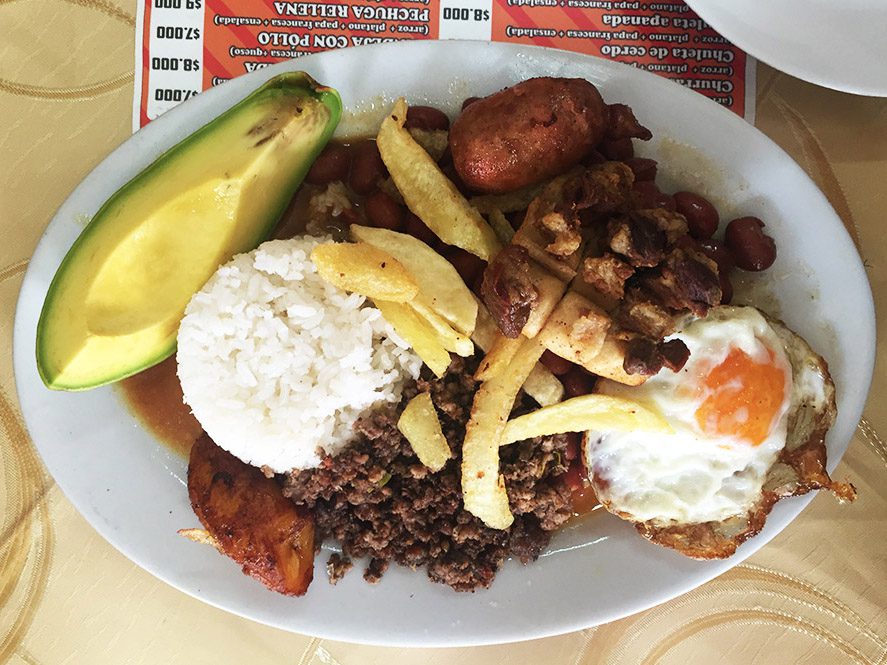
[
  {"x": 379, "y": 501},
  {"x": 337, "y": 566}
]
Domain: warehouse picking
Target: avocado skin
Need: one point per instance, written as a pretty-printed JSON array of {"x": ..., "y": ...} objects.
[{"x": 295, "y": 92}]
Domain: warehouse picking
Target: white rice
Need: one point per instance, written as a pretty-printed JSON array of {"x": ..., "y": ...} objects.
[{"x": 276, "y": 363}]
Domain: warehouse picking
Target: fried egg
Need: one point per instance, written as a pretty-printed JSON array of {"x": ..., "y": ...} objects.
[{"x": 730, "y": 408}]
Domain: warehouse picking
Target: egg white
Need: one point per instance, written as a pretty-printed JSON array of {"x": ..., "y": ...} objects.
[{"x": 690, "y": 477}]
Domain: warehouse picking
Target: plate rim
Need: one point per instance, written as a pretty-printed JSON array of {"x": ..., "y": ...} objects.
[{"x": 395, "y": 639}]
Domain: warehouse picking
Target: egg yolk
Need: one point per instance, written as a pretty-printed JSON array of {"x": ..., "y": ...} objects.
[{"x": 743, "y": 397}]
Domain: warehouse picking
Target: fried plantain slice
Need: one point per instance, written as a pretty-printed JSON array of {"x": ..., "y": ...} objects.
[{"x": 250, "y": 520}]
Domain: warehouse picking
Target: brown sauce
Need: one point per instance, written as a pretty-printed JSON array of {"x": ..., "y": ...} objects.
[{"x": 154, "y": 396}]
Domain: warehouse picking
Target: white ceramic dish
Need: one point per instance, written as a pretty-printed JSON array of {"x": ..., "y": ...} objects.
[
  {"x": 132, "y": 489},
  {"x": 838, "y": 45}
]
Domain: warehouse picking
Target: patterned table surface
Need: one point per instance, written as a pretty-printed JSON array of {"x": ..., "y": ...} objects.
[{"x": 815, "y": 594}]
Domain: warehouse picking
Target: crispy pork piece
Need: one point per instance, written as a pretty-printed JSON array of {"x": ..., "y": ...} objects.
[
  {"x": 604, "y": 189},
  {"x": 638, "y": 239},
  {"x": 249, "y": 519},
  {"x": 685, "y": 281},
  {"x": 641, "y": 312},
  {"x": 672, "y": 224},
  {"x": 507, "y": 290},
  {"x": 674, "y": 354},
  {"x": 645, "y": 356},
  {"x": 607, "y": 274},
  {"x": 610, "y": 360},
  {"x": 563, "y": 225}
]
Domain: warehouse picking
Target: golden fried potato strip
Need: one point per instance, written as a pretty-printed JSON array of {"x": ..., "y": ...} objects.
[
  {"x": 580, "y": 414},
  {"x": 541, "y": 385},
  {"x": 416, "y": 332},
  {"x": 440, "y": 286},
  {"x": 421, "y": 427},
  {"x": 501, "y": 226},
  {"x": 483, "y": 488},
  {"x": 364, "y": 269},
  {"x": 498, "y": 357},
  {"x": 428, "y": 193},
  {"x": 446, "y": 335}
]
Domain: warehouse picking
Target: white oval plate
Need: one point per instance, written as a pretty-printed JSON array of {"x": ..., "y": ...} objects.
[
  {"x": 132, "y": 489},
  {"x": 839, "y": 45}
]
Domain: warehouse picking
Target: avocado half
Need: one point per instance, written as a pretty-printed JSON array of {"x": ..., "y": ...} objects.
[{"x": 115, "y": 303}]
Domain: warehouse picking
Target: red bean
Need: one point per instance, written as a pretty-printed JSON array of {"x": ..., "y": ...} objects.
[
  {"x": 648, "y": 195},
  {"x": 469, "y": 101},
  {"x": 467, "y": 265},
  {"x": 577, "y": 382},
  {"x": 718, "y": 252},
  {"x": 417, "y": 228},
  {"x": 367, "y": 167},
  {"x": 702, "y": 216},
  {"x": 332, "y": 164},
  {"x": 426, "y": 117},
  {"x": 751, "y": 249},
  {"x": 644, "y": 169},
  {"x": 558, "y": 366},
  {"x": 618, "y": 150},
  {"x": 383, "y": 211}
]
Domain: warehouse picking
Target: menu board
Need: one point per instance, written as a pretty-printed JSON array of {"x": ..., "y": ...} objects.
[{"x": 188, "y": 46}]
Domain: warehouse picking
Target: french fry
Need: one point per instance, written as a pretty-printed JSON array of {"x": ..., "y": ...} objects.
[
  {"x": 364, "y": 269},
  {"x": 498, "y": 357},
  {"x": 550, "y": 290},
  {"x": 428, "y": 193},
  {"x": 485, "y": 329},
  {"x": 449, "y": 338},
  {"x": 580, "y": 414},
  {"x": 440, "y": 286},
  {"x": 421, "y": 427},
  {"x": 576, "y": 329},
  {"x": 609, "y": 362},
  {"x": 416, "y": 332},
  {"x": 501, "y": 226},
  {"x": 483, "y": 488},
  {"x": 541, "y": 385}
]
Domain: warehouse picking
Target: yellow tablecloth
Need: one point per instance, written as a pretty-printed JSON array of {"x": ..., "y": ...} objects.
[{"x": 815, "y": 594}]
